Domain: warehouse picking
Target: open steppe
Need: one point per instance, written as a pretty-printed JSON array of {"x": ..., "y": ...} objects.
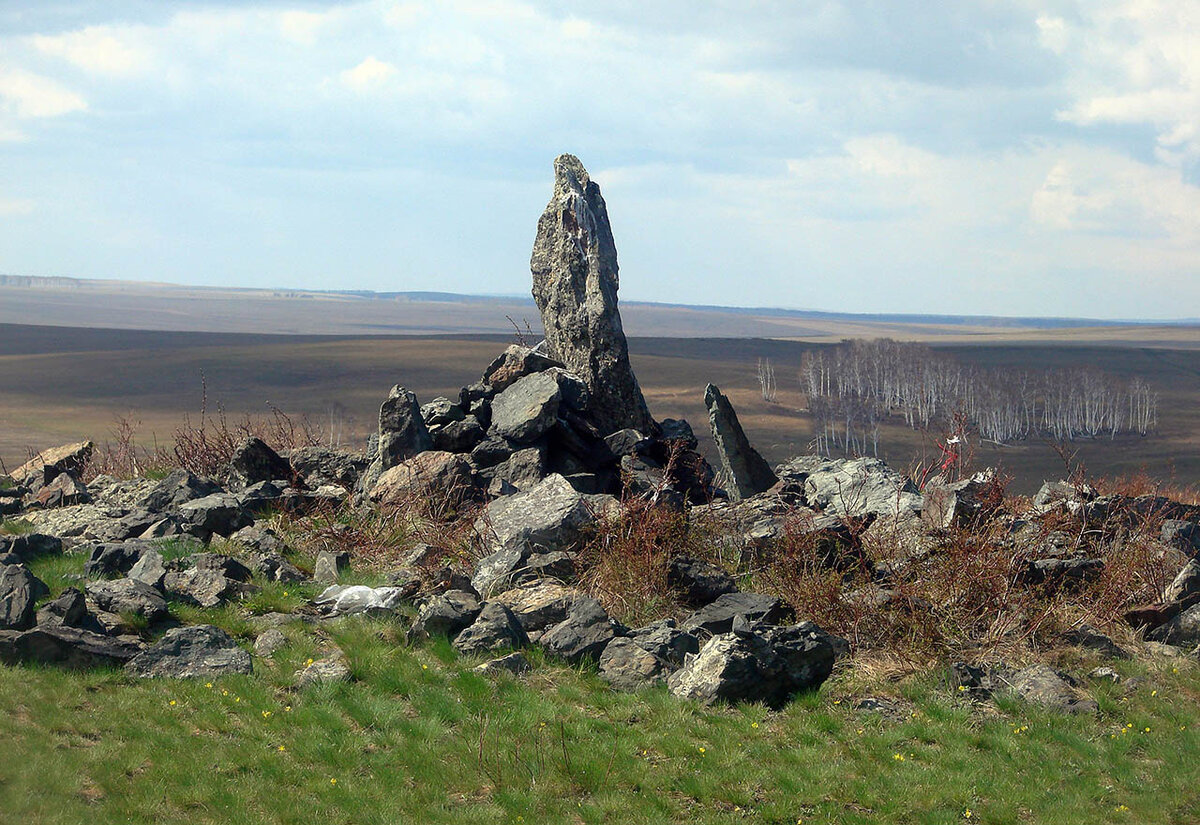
[{"x": 62, "y": 383}]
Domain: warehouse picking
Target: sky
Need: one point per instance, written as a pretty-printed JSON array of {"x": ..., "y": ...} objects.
[{"x": 895, "y": 156}]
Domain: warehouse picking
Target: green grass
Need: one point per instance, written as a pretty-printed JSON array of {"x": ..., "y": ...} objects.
[
  {"x": 419, "y": 737},
  {"x": 15, "y": 527}
]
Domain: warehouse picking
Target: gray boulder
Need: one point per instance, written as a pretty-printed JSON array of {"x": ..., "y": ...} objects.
[
  {"x": 852, "y": 487},
  {"x": 434, "y": 474},
  {"x": 325, "y": 466},
  {"x": 1183, "y": 536},
  {"x": 1185, "y": 585},
  {"x": 698, "y": 582},
  {"x": 402, "y": 431},
  {"x": 447, "y": 615},
  {"x": 149, "y": 568},
  {"x": 1042, "y": 685},
  {"x": 330, "y": 565},
  {"x": 513, "y": 364},
  {"x": 746, "y": 470},
  {"x": 1182, "y": 630},
  {"x": 19, "y": 592},
  {"x": 178, "y": 488},
  {"x": 539, "y": 604},
  {"x": 31, "y": 546},
  {"x": 129, "y": 597},
  {"x": 575, "y": 280},
  {"x": 666, "y": 642},
  {"x": 191, "y": 653},
  {"x": 768, "y": 667},
  {"x": 626, "y": 665},
  {"x": 547, "y": 518},
  {"x": 206, "y": 587},
  {"x": 323, "y": 672},
  {"x": 718, "y": 616},
  {"x": 584, "y": 634},
  {"x": 69, "y": 647},
  {"x": 269, "y": 642},
  {"x": 70, "y": 609},
  {"x": 48, "y": 464},
  {"x": 495, "y": 628},
  {"x": 527, "y": 409},
  {"x": 114, "y": 558},
  {"x": 220, "y": 513},
  {"x": 254, "y": 461},
  {"x": 64, "y": 491},
  {"x": 514, "y": 664}
]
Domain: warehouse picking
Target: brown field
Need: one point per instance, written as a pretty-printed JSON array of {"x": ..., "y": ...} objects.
[{"x": 61, "y": 384}]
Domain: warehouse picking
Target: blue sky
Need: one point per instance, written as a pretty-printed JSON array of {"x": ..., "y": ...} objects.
[{"x": 1007, "y": 158}]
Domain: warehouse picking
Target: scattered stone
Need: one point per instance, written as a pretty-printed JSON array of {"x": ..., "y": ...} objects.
[
  {"x": 1183, "y": 536},
  {"x": 718, "y": 616},
  {"x": 323, "y": 672},
  {"x": 206, "y": 587},
  {"x": 582, "y": 635},
  {"x": 68, "y": 647},
  {"x": 852, "y": 487},
  {"x": 1089, "y": 638},
  {"x": 626, "y": 665},
  {"x": 31, "y": 546},
  {"x": 513, "y": 364},
  {"x": 220, "y": 513},
  {"x": 1182, "y": 630},
  {"x": 445, "y": 615},
  {"x": 962, "y": 503},
  {"x": 513, "y": 663},
  {"x": 746, "y": 470},
  {"x": 190, "y": 653},
  {"x": 767, "y": 667},
  {"x": 402, "y": 431},
  {"x": 494, "y": 628},
  {"x": 325, "y": 466},
  {"x": 330, "y": 565},
  {"x": 64, "y": 491},
  {"x": 128, "y": 597},
  {"x": 254, "y": 461},
  {"x": 19, "y": 592},
  {"x": 1185, "y": 585},
  {"x": 351, "y": 600},
  {"x": 432, "y": 474},
  {"x": 666, "y": 641},
  {"x": 1105, "y": 674},
  {"x": 574, "y": 266},
  {"x": 527, "y": 409},
  {"x": 115, "y": 559},
  {"x": 44, "y": 467},
  {"x": 698, "y": 582},
  {"x": 546, "y": 518},
  {"x": 269, "y": 642},
  {"x": 539, "y": 604},
  {"x": 70, "y": 609},
  {"x": 459, "y": 436},
  {"x": 276, "y": 568},
  {"x": 175, "y": 490},
  {"x": 1042, "y": 685},
  {"x": 149, "y": 568}
]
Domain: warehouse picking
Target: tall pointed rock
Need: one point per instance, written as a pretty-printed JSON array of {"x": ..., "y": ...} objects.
[
  {"x": 574, "y": 265},
  {"x": 747, "y": 471}
]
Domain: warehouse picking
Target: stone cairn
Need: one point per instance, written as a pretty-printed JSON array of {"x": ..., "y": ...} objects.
[{"x": 550, "y": 440}]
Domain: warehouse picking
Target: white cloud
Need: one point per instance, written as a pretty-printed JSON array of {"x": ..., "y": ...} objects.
[
  {"x": 30, "y": 95},
  {"x": 100, "y": 49},
  {"x": 10, "y": 207},
  {"x": 369, "y": 75},
  {"x": 302, "y": 27}
]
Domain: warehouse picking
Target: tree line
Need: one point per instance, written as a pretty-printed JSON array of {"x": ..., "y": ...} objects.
[{"x": 856, "y": 385}]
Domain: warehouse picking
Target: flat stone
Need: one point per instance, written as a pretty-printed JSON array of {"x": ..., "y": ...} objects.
[{"x": 191, "y": 653}]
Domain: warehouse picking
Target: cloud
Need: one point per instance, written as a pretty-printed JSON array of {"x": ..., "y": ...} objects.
[
  {"x": 97, "y": 49},
  {"x": 29, "y": 95},
  {"x": 10, "y": 207},
  {"x": 368, "y": 75}
]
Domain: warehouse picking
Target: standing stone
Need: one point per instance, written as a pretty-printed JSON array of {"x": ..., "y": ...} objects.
[
  {"x": 574, "y": 265},
  {"x": 748, "y": 472},
  {"x": 402, "y": 435}
]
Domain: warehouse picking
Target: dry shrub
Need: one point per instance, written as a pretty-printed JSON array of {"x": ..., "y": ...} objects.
[
  {"x": 121, "y": 456},
  {"x": 625, "y": 559}
]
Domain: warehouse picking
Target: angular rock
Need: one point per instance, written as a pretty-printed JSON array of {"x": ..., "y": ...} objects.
[
  {"x": 114, "y": 559},
  {"x": 626, "y": 665},
  {"x": 19, "y": 592},
  {"x": 70, "y": 609},
  {"x": 494, "y": 628},
  {"x": 1183, "y": 536},
  {"x": 254, "y": 461},
  {"x": 718, "y": 616},
  {"x": 666, "y": 642},
  {"x": 582, "y": 635},
  {"x": 31, "y": 546},
  {"x": 1042, "y": 685},
  {"x": 962, "y": 503},
  {"x": 68, "y": 647},
  {"x": 527, "y": 409},
  {"x": 220, "y": 563},
  {"x": 575, "y": 280},
  {"x": 698, "y": 582},
  {"x": 431, "y": 475},
  {"x": 1185, "y": 585},
  {"x": 459, "y": 436},
  {"x": 513, "y": 364},
  {"x": 176, "y": 489},
  {"x": 852, "y": 487},
  {"x": 539, "y": 604},
  {"x": 330, "y": 565},
  {"x": 127, "y": 596},
  {"x": 522, "y": 470},
  {"x": 752, "y": 667},
  {"x": 260, "y": 538},
  {"x": 323, "y": 466},
  {"x": 445, "y": 615},
  {"x": 206, "y": 587},
  {"x": 149, "y": 569},
  {"x": 441, "y": 411},
  {"x": 64, "y": 491},
  {"x": 1089, "y": 638},
  {"x": 513, "y": 663},
  {"x": 269, "y": 642},
  {"x": 190, "y": 653},
  {"x": 1182, "y": 630},
  {"x": 276, "y": 568},
  {"x": 44, "y": 467},
  {"x": 323, "y": 672},
  {"x": 747, "y": 471},
  {"x": 547, "y": 518},
  {"x": 220, "y": 513},
  {"x": 1054, "y": 491},
  {"x": 402, "y": 431},
  {"x": 355, "y": 599}
]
